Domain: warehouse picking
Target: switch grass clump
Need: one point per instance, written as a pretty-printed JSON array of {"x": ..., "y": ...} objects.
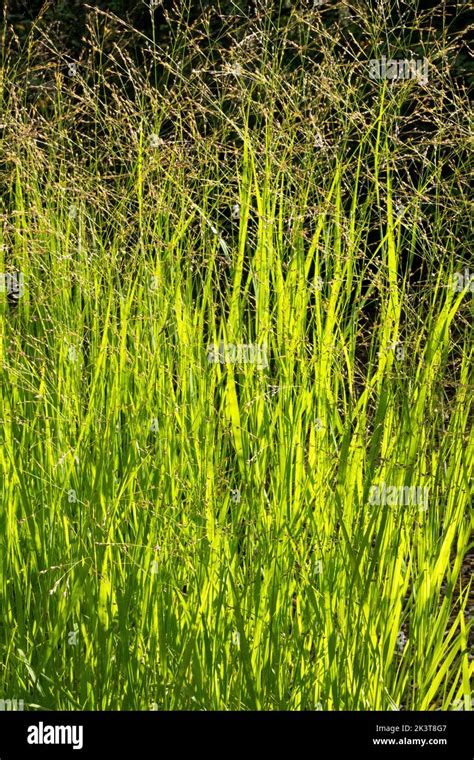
[{"x": 196, "y": 534}]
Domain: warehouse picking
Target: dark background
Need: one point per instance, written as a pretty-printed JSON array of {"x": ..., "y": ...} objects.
[{"x": 69, "y": 16}]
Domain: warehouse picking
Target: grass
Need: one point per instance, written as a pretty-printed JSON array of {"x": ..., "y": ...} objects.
[{"x": 181, "y": 534}]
